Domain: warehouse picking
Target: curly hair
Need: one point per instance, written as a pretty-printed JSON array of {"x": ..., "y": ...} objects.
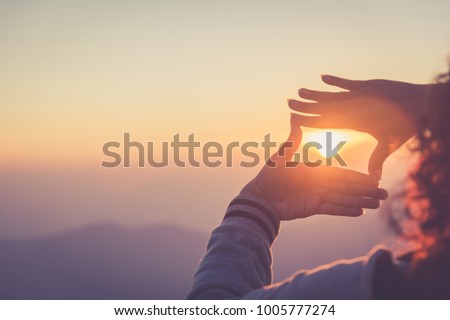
[{"x": 426, "y": 223}]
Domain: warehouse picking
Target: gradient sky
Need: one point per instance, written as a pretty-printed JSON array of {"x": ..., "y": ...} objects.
[{"x": 75, "y": 74}]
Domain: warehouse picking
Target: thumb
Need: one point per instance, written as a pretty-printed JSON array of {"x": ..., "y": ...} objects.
[
  {"x": 379, "y": 155},
  {"x": 288, "y": 148}
]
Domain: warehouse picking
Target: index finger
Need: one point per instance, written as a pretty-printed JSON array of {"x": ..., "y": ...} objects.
[
  {"x": 343, "y": 83},
  {"x": 322, "y": 121},
  {"x": 324, "y": 95}
]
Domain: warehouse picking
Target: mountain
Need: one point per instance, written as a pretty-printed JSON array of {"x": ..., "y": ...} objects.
[
  {"x": 102, "y": 262},
  {"x": 158, "y": 262}
]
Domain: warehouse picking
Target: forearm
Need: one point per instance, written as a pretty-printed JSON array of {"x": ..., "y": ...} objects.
[{"x": 238, "y": 258}]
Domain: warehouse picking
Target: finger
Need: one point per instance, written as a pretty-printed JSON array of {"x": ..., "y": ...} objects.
[
  {"x": 379, "y": 155},
  {"x": 352, "y": 201},
  {"x": 343, "y": 83},
  {"x": 337, "y": 210},
  {"x": 288, "y": 148},
  {"x": 323, "y": 96},
  {"x": 316, "y": 107},
  {"x": 335, "y": 174},
  {"x": 359, "y": 190},
  {"x": 329, "y": 122},
  {"x": 305, "y": 107}
]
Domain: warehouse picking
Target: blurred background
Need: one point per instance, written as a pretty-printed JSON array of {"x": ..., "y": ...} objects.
[{"x": 77, "y": 74}]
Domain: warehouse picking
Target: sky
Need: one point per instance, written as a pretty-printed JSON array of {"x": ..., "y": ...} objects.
[{"x": 76, "y": 74}]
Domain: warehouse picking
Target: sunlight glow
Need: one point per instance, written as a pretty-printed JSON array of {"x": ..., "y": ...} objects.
[{"x": 335, "y": 137}]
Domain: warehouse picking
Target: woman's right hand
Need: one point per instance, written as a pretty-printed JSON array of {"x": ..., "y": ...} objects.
[
  {"x": 387, "y": 110},
  {"x": 298, "y": 191}
]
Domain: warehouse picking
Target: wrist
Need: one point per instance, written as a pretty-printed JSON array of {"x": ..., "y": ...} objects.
[{"x": 257, "y": 210}]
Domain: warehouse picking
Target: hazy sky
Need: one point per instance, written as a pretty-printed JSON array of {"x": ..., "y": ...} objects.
[{"x": 75, "y": 74}]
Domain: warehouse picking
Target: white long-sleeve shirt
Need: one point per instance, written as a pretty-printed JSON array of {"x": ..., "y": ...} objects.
[{"x": 238, "y": 262}]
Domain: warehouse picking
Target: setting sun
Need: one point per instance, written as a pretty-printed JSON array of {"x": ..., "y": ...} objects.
[{"x": 334, "y": 137}]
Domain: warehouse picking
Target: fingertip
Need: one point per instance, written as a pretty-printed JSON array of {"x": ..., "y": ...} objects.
[
  {"x": 303, "y": 92},
  {"x": 379, "y": 155},
  {"x": 370, "y": 203},
  {"x": 291, "y": 103},
  {"x": 326, "y": 77},
  {"x": 377, "y": 205},
  {"x": 355, "y": 212},
  {"x": 378, "y": 194},
  {"x": 358, "y": 212},
  {"x": 384, "y": 194}
]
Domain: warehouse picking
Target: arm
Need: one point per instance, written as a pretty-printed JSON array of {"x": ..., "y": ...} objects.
[{"x": 238, "y": 259}]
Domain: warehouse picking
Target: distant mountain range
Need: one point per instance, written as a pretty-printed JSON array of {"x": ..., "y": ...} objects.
[
  {"x": 111, "y": 262},
  {"x": 102, "y": 262}
]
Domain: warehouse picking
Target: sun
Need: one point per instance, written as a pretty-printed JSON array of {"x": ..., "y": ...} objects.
[{"x": 327, "y": 140}]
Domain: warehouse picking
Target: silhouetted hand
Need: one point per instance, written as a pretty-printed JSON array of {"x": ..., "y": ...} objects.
[
  {"x": 298, "y": 191},
  {"x": 388, "y": 110}
]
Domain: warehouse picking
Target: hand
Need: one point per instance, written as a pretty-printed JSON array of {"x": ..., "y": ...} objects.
[
  {"x": 388, "y": 110},
  {"x": 298, "y": 191}
]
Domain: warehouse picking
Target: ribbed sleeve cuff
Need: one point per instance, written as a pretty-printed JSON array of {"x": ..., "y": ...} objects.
[{"x": 258, "y": 211}]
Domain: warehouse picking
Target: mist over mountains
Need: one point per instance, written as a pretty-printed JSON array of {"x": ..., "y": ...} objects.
[
  {"x": 101, "y": 262},
  {"x": 156, "y": 262}
]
